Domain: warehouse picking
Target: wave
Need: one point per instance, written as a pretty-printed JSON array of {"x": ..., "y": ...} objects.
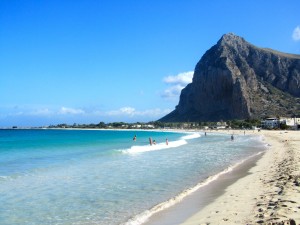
[
  {"x": 191, "y": 136},
  {"x": 4, "y": 177},
  {"x": 159, "y": 146},
  {"x": 144, "y": 216}
]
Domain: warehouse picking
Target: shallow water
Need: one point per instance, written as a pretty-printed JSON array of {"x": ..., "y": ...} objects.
[{"x": 104, "y": 177}]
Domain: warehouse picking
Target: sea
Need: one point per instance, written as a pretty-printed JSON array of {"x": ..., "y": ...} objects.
[{"x": 108, "y": 177}]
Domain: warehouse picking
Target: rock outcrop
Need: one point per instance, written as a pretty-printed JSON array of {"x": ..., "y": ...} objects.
[{"x": 237, "y": 80}]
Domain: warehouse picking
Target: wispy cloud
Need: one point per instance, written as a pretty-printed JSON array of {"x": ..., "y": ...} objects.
[
  {"x": 172, "y": 92},
  {"x": 176, "y": 84},
  {"x": 131, "y": 112},
  {"x": 296, "y": 34},
  {"x": 41, "y": 112},
  {"x": 41, "y": 115},
  {"x": 65, "y": 110}
]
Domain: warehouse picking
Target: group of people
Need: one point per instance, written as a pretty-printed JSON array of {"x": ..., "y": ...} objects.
[{"x": 152, "y": 142}]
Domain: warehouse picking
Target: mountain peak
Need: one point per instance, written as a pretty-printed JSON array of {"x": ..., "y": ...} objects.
[{"x": 231, "y": 39}]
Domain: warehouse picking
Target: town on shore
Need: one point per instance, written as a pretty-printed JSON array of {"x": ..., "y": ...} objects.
[{"x": 275, "y": 123}]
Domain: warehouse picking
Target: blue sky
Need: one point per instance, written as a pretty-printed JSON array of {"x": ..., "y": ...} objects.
[{"x": 88, "y": 61}]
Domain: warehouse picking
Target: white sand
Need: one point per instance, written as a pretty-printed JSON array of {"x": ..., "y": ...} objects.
[{"x": 269, "y": 194}]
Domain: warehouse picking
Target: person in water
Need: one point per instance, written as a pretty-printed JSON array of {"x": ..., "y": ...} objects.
[
  {"x": 134, "y": 138},
  {"x": 167, "y": 141},
  {"x": 150, "y": 140},
  {"x": 154, "y": 142},
  {"x": 232, "y": 138}
]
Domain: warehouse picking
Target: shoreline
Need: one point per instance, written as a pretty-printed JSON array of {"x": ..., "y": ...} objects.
[
  {"x": 157, "y": 214},
  {"x": 269, "y": 194},
  {"x": 196, "y": 201},
  {"x": 163, "y": 213},
  {"x": 261, "y": 190}
]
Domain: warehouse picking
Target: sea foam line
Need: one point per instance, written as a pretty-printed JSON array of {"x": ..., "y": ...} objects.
[
  {"x": 161, "y": 146},
  {"x": 191, "y": 136},
  {"x": 144, "y": 216}
]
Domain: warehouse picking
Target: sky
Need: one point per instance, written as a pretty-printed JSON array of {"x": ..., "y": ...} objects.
[{"x": 74, "y": 61}]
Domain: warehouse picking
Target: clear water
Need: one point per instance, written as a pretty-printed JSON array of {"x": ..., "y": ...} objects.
[{"x": 104, "y": 177}]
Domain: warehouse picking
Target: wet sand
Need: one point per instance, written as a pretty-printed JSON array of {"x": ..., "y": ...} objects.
[
  {"x": 195, "y": 202},
  {"x": 263, "y": 190}
]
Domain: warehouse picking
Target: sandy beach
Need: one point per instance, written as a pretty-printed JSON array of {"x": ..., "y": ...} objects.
[{"x": 269, "y": 194}]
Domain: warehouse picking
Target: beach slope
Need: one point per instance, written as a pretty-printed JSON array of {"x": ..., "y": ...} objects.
[{"x": 270, "y": 194}]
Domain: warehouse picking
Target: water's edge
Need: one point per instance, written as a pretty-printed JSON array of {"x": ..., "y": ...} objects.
[{"x": 181, "y": 207}]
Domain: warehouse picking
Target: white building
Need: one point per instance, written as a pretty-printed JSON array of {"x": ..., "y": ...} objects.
[
  {"x": 270, "y": 123},
  {"x": 291, "y": 122}
]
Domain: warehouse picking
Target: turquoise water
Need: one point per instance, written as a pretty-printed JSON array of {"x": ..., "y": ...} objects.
[{"x": 104, "y": 177}]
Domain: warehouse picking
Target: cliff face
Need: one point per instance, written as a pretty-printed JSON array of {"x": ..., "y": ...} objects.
[{"x": 237, "y": 80}]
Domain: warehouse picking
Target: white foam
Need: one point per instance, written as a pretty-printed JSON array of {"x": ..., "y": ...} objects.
[
  {"x": 191, "y": 136},
  {"x": 3, "y": 177},
  {"x": 156, "y": 147},
  {"x": 144, "y": 216}
]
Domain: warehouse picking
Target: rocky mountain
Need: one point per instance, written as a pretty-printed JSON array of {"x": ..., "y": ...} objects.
[{"x": 237, "y": 80}]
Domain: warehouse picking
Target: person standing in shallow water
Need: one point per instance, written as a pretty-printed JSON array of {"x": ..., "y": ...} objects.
[
  {"x": 167, "y": 141},
  {"x": 134, "y": 138},
  {"x": 150, "y": 140},
  {"x": 232, "y": 138}
]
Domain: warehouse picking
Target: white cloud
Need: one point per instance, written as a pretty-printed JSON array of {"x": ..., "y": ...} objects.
[
  {"x": 129, "y": 111},
  {"x": 45, "y": 115},
  {"x": 65, "y": 110},
  {"x": 153, "y": 112},
  {"x": 181, "y": 78},
  {"x": 20, "y": 113},
  {"x": 177, "y": 82},
  {"x": 172, "y": 92},
  {"x": 296, "y": 34},
  {"x": 41, "y": 112}
]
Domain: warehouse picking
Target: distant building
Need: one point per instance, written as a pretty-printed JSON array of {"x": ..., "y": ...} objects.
[
  {"x": 270, "y": 123},
  {"x": 291, "y": 122},
  {"x": 220, "y": 125}
]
